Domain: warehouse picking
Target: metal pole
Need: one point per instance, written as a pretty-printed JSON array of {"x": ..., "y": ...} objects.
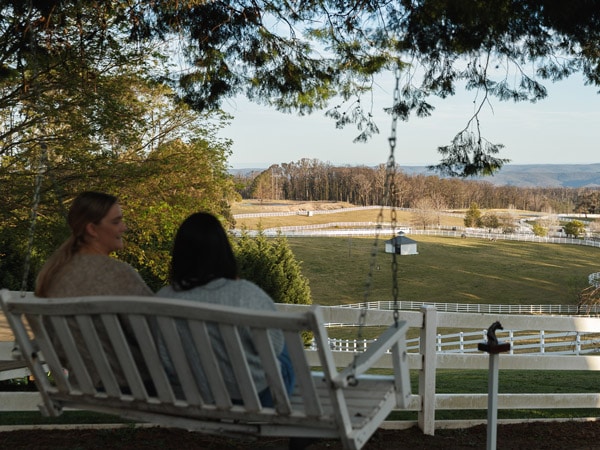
[
  {"x": 493, "y": 348},
  {"x": 492, "y": 413}
]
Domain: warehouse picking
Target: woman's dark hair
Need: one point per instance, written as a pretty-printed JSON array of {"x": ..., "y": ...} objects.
[{"x": 201, "y": 253}]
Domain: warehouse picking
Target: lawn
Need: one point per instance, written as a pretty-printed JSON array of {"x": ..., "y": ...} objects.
[
  {"x": 449, "y": 270},
  {"x": 445, "y": 270}
]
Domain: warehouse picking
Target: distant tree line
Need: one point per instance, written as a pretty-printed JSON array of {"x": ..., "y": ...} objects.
[{"x": 314, "y": 180}]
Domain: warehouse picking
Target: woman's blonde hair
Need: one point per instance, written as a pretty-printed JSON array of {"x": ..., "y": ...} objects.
[{"x": 88, "y": 207}]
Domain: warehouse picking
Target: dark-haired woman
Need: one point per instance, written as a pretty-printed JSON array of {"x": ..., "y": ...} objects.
[{"x": 204, "y": 269}]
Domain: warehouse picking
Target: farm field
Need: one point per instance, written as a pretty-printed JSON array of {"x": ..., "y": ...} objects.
[
  {"x": 448, "y": 270},
  {"x": 336, "y": 214}
]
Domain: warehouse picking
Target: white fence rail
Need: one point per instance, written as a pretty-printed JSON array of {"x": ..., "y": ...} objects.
[
  {"x": 478, "y": 308},
  {"x": 428, "y": 358},
  {"x": 561, "y": 343},
  {"x": 356, "y": 229}
]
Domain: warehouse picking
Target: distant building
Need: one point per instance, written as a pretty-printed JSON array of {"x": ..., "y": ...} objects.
[{"x": 401, "y": 245}]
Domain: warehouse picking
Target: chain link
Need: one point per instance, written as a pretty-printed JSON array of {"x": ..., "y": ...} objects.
[{"x": 393, "y": 194}]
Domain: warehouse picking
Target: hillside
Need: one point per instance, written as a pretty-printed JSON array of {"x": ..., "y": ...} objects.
[{"x": 537, "y": 175}]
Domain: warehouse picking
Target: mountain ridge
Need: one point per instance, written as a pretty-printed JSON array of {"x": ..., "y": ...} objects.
[{"x": 535, "y": 175}]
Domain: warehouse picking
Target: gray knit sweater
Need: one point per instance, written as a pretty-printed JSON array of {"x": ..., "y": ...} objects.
[{"x": 240, "y": 293}]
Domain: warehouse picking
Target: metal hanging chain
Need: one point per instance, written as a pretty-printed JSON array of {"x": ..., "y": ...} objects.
[
  {"x": 391, "y": 173},
  {"x": 34, "y": 210},
  {"x": 390, "y": 197}
]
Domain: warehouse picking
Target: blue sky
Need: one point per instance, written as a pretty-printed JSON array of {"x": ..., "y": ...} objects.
[{"x": 562, "y": 129}]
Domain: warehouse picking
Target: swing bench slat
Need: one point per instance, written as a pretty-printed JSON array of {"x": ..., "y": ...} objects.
[{"x": 114, "y": 346}]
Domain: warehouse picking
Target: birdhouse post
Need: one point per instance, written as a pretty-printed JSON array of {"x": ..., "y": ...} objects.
[{"x": 493, "y": 348}]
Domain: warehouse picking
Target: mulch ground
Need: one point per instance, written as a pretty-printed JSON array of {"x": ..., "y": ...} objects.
[{"x": 572, "y": 435}]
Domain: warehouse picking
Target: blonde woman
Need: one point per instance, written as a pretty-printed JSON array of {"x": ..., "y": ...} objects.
[{"x": 82, "y": 265}]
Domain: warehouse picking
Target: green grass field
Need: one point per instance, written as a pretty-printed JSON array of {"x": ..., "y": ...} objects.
[{"x": 449, "y": 270}]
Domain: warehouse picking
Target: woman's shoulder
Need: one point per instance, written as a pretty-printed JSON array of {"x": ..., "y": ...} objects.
[
  {"x": 251, "y": 294},
  {"x": 243, "y": 283},
  {"x": 237, "y": 292},
  {"x": 89, "y": 274},
  {"x": 239, "y": 285},
  {"x": 229, "y": 284},
  {"x": 107, "y": 263},
  {"x": 94, "y": 258}
]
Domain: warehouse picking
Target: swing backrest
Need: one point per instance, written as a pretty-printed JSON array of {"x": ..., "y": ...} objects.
[{"x": 114, "y": 349}]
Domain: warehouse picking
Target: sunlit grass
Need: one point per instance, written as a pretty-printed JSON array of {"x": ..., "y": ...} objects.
[{"x": 451, "y": 270}]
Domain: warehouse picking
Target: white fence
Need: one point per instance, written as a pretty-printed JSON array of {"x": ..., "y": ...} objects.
[
  {"x": 356, "y": 229},
  {"x": 560, "y": 343},
  {"x": 478, "y": 308},
  {"x": 524, "y": 237},
  {"x": 428, "y": 358}
]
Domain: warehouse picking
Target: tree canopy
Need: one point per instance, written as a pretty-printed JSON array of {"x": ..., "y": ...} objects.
[
  {"x": 307, "y": 55},
  {"x": 122, "y": 94},
  {"x": 82, "y": 104}
]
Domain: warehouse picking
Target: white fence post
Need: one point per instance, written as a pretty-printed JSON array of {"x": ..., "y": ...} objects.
[{"x": 426, "y": 416}]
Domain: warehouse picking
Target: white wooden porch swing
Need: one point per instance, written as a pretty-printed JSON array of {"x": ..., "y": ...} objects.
[{"x": 128, "y": 379}]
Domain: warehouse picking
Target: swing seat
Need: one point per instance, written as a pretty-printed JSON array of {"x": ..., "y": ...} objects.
[{"x": 348, "y": 405}]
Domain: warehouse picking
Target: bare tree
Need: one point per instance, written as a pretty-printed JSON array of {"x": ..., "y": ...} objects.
[
  {"x": 424, "y": 213},
  {"x": 589, "y": 297}
]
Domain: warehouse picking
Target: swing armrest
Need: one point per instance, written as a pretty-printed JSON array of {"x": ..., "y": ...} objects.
[{"x": 366, "y": 360}]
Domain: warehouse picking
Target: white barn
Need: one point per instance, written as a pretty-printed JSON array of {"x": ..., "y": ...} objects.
[{"x": 401, "y": 245}]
